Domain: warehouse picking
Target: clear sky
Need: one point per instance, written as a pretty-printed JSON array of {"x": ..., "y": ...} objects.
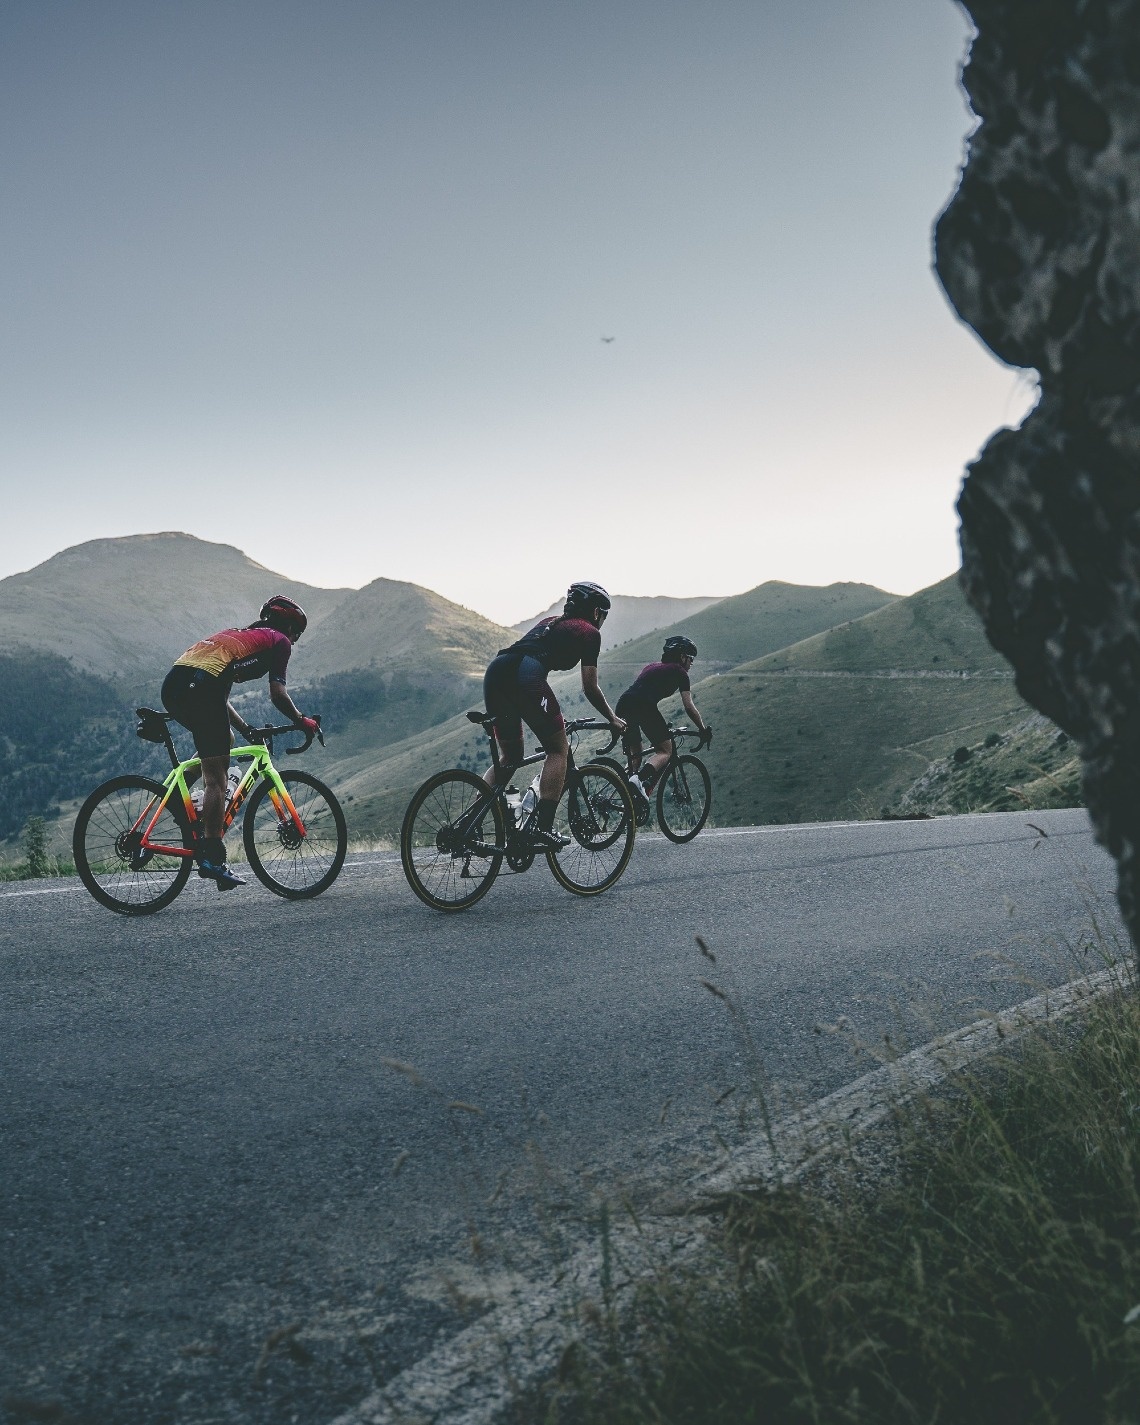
[{"x": 329, "y": 281}]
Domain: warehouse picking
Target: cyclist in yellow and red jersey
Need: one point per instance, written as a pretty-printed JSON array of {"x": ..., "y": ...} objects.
[
  {"x": 196, "y": 693},
  {"x": 638, "y": 706},
  {"x": 516, "y": 691}
]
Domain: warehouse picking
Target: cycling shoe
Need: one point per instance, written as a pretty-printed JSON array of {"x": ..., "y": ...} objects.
[
  {"x": 548, "y": 840},
  {"x": 220, "y": 873}
]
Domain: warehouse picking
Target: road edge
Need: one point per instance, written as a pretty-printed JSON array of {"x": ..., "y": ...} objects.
[{"x": 472, "y": 1377}]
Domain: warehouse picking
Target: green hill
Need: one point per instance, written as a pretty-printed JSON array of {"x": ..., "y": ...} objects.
[
  {"x": 836, "y": 726},
  {"x": 747, "y": 626},
  {"x": 841, "y": 725}
]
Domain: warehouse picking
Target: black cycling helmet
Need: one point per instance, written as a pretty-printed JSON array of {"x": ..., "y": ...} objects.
[
  {"x": 678, "y": 647},
  {"x": 585, "y": 597},
  {"x": 285, "y": 615}
]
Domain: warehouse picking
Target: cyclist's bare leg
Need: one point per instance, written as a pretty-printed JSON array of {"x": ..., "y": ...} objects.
[
  {"x": 553, "y": 772},
  {"x": 214, "y": 771},
  {"x": 659, "y": 757}
]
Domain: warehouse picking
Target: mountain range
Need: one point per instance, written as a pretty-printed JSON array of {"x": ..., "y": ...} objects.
[{"x": 827, "y": 703}]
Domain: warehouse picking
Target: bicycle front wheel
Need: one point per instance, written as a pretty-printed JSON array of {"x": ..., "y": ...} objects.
[
  {"x": 684, "y": 798},
  {"x": 596, "y": 812},
  {"x": 108, "y": 850},
  {"x": 295, "y": 861},
  {"x": 443, "y": 841},
  {"x": 641, "y": 807}
]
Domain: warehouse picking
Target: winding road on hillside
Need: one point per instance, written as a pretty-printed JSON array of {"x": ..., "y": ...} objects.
[{"x": 256, "y": 1157}]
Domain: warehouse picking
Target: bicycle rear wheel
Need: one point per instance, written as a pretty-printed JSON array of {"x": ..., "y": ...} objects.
[
  {"x": 107, "y": 846},
  {"x": 684, "y": 798},
  {"x": 596, "y": 812},
  {"x": 442, "y": 849},
  {"x": 291, "y": 864}
]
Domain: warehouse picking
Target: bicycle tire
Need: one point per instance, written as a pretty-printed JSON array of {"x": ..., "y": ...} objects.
[
  {"x": 641, "y": 813},
  {"x": 684, "y": 798},
  {"x": 596, "y": 810},
  {"x": 430, "y": 868},
  {"x": 100, "y": 844},
  {"x": 289, "y": 865}
]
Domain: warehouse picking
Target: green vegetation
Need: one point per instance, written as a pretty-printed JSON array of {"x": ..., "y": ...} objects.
[
  {"x": 846, "y": 724},
  {"x": 934, "y": 631},
  {"x": 35, "y": 847},
  {"x": 1032, "y": 767},
  {"x": 789, "y": 749},
  {"x": 993, "y": 1278},
  {"x": 61, "y": 732},
  {"x": 747, "y": 626},
  {"x": 828, "y": 703}
]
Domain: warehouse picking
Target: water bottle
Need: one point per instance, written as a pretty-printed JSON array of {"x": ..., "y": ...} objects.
[
  {"x": 529, "y": 799},
  {"x": 197, "y": 797},
  {"x": 233, "y": 780},
  {"x": 513, "y": 800}
]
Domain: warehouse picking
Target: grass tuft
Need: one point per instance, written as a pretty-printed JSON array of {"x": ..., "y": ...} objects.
[{"x": 995, "y": 1277}]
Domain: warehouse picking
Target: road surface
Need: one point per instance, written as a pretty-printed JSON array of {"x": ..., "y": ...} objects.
[{"x": 257, "y": 1156}]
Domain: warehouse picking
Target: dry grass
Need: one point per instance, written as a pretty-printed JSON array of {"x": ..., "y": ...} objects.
[{"x": 995, "y": 1278}]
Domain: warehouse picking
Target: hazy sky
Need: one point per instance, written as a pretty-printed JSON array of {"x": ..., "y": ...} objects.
[{"x": 328, "y": 281}]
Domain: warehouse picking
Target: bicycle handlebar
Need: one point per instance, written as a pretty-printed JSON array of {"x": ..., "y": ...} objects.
[
  {"x": 267, "y": 734},
  {"x": 704, "y": 739},
  {"x": 593, "y": 724}
]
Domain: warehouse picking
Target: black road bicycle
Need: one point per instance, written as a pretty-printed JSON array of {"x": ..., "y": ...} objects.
[
  {"x": 134, "y": 836},
  {"x": 684, "y": 789},
  {"x": 457, "y": 831}
]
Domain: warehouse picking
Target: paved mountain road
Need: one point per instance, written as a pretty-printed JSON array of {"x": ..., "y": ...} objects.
[{"x": 220, "y": 1204}]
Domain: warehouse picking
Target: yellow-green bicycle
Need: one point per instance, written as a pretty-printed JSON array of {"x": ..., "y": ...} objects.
[{"x": 134, "y": 836}]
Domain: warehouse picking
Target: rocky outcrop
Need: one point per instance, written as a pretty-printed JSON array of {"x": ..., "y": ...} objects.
[{"x": 1039, "y": 251}]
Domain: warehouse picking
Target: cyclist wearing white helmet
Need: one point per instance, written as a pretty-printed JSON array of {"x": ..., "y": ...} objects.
[
  {"x": 516, "y": 691},
  {"x": 638, "y": 706},
  {"x": 196, "y": 693}
]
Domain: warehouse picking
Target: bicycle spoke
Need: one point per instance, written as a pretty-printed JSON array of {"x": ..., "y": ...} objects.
[
  {"x": 438, "y": 840},
  {"x": 597, "y": 814},
  {"x": 108, "y": 850},
  {"x": 295, "y": 857}
]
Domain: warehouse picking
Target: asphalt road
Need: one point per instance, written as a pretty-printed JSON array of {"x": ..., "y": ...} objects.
[{"x": 219, "y": 1203}]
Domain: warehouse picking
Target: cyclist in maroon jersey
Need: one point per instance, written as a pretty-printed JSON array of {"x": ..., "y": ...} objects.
[
  {"x": 196, "y": 693},
  {"x": 638, "y": 706},
  {"x": 516, "y": 691}
]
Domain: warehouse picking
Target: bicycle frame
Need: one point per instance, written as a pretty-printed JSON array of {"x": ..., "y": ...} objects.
[
  {"x": 499, "y": 791},
  {"x": 261, "y": 768}
]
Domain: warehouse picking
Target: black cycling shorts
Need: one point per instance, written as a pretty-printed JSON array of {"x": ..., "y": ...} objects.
[
  {"x": 516, "y": 691},
  {"x": 641, "y": 717},
  {"x": 198, "y": 700}
]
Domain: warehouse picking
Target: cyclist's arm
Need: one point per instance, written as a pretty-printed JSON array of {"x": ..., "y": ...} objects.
[
  {"x": 239, "y": 722},
  {"x": 595, "y": 695},
  {"x": 691, "y": 708},
  {"x": 283, "y": 702}
]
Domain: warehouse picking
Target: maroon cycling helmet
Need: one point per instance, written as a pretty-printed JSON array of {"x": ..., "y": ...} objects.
[{"x": 285, "y": 615}]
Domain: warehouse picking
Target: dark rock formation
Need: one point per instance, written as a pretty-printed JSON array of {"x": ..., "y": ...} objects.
[{"x": 1039, "y": 251}]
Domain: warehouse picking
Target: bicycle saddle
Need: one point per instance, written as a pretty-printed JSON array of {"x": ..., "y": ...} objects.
[
  {"x": 480, "y": 716},
  {"x": 152, "y": 712}
]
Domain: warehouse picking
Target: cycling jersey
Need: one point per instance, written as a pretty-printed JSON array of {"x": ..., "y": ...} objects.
[
  {"x": 238, "y": 655},
  {"x": 657, "y": 681},
  {"x": 637, "y": 706},
  {"x": 560, "y": 643}
]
